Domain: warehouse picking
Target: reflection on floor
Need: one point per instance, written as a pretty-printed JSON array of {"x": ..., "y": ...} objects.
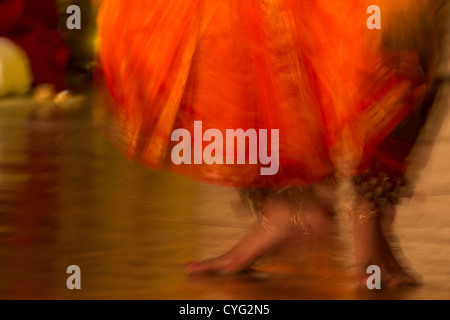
[{"x": 67, "y": 197}]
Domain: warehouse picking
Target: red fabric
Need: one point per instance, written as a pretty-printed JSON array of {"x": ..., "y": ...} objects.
[
  {"x": 33, "y": 26},
  {"x": 310, "y": 68}
]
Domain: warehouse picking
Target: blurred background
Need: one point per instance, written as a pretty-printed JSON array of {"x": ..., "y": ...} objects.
[
  {"x": 81, "y": 42},
  {"x": 67, "y": 197}
]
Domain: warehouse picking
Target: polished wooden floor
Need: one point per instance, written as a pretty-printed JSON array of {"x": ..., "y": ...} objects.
[{"x": 67, "y": 197}]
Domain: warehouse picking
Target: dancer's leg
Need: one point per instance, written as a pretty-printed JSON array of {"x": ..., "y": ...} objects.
[
  {"x": 280, "y": 220},
  {"x": 372, "y": 219}
]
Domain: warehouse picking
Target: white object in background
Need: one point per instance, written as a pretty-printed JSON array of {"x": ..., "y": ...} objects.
[{"x": 16, "y": 76}]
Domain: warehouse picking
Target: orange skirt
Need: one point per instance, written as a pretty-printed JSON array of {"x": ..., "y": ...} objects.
[{"x": 310, "y": 75}]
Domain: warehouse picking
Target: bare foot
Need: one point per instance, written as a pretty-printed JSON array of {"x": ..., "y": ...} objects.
[
  {"x": 277, "y": 226},
  {"x": 257, "y": 242},
  {"x": 372, "y": 248}
]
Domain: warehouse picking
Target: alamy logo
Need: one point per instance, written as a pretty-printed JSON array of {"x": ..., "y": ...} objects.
[
  {"x": 74, "y": 281},
  {"x": 74, "y": 21},
  {"x": 235, "y": 140},
  {"x": 374, "y": 281},
  {"x": 374, "y": 21}
]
